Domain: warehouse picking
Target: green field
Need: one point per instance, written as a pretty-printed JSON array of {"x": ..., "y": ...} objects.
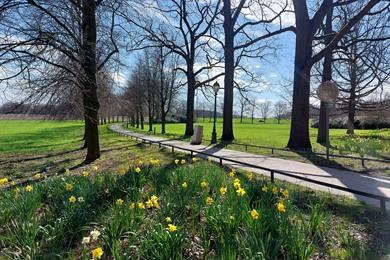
[
  {"x": 271, "y": 133},
  {"x": 43, "y": 215},
  {"x": 39, "y": 135}
]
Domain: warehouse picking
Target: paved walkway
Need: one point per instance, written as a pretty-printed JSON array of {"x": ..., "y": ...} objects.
[{"x": 349, "y": 179}]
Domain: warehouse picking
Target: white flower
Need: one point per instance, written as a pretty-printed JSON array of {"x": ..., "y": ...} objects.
[
  {"x": 95, "y": 234},
  {"x": 80, "y": 199},
  {"x": 86, "y": 240}
]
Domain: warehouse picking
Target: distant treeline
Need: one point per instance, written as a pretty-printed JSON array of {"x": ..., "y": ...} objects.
[{"x": 64, "y": 111}]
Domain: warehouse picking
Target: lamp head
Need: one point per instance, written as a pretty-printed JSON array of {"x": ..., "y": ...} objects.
[{"x": 216, "y": 87}]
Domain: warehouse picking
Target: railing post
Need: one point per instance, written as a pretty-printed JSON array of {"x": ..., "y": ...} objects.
[
  {"x": 220, "y": 161},
  {"x": 150, "y": 143},
  {"x": 272, "y": 176},
  {"x": 246, "y": 148},
  {"x": 383, "y": 206},
  {"x": 159, "y": 145},
  {"x": 192, "y": 154},
  {"x": 173, "y": 149},
  {"x": 363, "y": 163},
  {"x": 272, "y": 150}
]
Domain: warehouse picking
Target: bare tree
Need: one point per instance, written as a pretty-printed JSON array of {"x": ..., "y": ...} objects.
[
  {"x": 40, "y": 36},
  {"x": 182, "y": 29},
  {"x": 265, "y": 109},
  {"x": 306, "y": 30},
  {"x": 242, "y": 40},
  {"x": 169, "y": 85},
  {"x": 280, "y": 109},
  {"x": 244, "y": 102}
]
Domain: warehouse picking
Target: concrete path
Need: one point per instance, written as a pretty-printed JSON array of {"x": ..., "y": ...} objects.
[{"x": 349, "y": 179}]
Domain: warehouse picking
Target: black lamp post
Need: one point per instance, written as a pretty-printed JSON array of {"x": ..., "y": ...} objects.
[
  {"x": 327, "y": 92},
  {"x": 214, "y": 134}
]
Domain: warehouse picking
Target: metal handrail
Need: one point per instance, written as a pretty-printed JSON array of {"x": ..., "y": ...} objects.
[{"x": 272, "y": 172}]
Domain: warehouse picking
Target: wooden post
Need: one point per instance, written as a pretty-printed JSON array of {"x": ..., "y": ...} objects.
[
  {"x": 272, "y": 176},
  {"x": 383, "y": 206}
]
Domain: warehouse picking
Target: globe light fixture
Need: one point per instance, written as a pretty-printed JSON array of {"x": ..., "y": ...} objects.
[{"x": 327, "y": 92}]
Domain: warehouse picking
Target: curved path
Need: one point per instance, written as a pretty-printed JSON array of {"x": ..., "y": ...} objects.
[{"x": 349, "y": 179}]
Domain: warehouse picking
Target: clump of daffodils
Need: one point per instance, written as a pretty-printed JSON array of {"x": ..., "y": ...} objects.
[
  {"x": 72, "y": 199},
  {"x": 203, "y": 184},
  {"x": 209, "y": 200},
  {"x": 184, "y": 185},
  {"x": 154, "y": 162},
  {"x": 137, "y": 169}
]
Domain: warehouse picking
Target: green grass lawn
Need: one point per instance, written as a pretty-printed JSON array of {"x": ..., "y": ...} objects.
[
  {"x": 39, "y": 135},
  {"x": 276, "y": 135},
  {"x": 89, "y": 210}
]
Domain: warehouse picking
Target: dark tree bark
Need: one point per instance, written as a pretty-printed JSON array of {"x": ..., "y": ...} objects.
[
  {"x": 90, "y": 98},
  {"x": 326, "y": 76},
  {"x": 190, "y": 101},
  {"x": 228, "y": 26}
]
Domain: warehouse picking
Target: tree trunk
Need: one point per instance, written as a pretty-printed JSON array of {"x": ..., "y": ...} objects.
[
  {"x": 326, "y": 76},
  {"x": 137, "y": 117},
  {"x": 142, "y": 118},
  {"x": 299, "y": 131},
  {"x": 150, "y": 121},
  {"x": 227, "y": 130},
  {"x": 90, "y": 99},
  {"x": 352, "y": 100},
  {"x": 163, "y": 122},
  {"x": 190, "y": 103},
  {"x": 241, "y": 115}
]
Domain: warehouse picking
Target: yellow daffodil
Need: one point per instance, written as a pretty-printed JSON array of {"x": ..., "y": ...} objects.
[
  {"x": 237, "y": 183},
  {"x": 141, "y": 205},
  {"x": 37, "y": 175},
  {"x": 240, "y": 192},
  {"x": 132, "y": 205},
  {"x": 254, "y": 214},
  {"x": 280, "y": 206},
  {"x": 184, "y": 185},
  {"x": 68, "y": 187},
  {"x": 85, "y": 173},
  {"x": 274, "y": 190},
  {"x": 97, "y": 253},
  {"x": 264, "y": 189},
  {"x": 154, "y": 161},
  {"x": 183, "y": 161},
  {"x": 194, "y": 159},
  {"x": 250, "y": 176},
  {"x": 203, "y": 184},
  {"x": 232, "y": 173},
  {"x": 137, "y": 169},
  {"x": 223, "y": 190},
  {"x": 95, "y": 168},
  {"x": 17, "y": 190},
  {"x": 72, "y": 199},
  {"x": 149, "y": 204},
  {"x": 177, "y": 161},
  {"x": 168, "y": 219},
  {"x": 172, "y": 228},
  {"x": 119, "y": 202},
  {"x": 3, "y": 181},
  {"x": 209, "y": 200},
  {"x": 285, "y": 193},
  {"x": 140, "y": 162},
  {"x": 28, "y": 188},
  {"x": 154, "y": 200}
]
